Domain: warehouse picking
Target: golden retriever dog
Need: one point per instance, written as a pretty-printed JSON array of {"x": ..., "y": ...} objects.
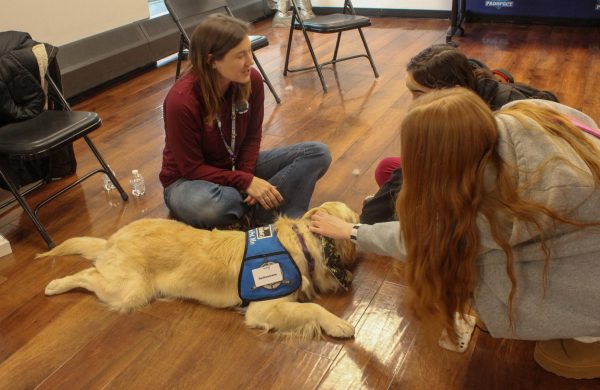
[{"x": 154, "y": 258}]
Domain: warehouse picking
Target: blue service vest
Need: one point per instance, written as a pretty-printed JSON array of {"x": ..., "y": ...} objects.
[{"x": 267, "y": 270}]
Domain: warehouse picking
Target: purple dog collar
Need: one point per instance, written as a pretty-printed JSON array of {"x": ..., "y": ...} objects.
[{"x": 309, "y": 258}]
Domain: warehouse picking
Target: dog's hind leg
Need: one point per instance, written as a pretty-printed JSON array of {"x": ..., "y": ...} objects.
[
  {"x": 305, "y": 320},
  {"x": 117, "y": 294},
  {"x": 87, "y": 247}
]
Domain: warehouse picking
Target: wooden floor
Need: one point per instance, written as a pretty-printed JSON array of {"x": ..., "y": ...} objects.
[{"x": 72, "y": 341}]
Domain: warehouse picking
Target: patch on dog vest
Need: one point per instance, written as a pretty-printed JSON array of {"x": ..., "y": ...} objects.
[{"x": 267, "y": 271}]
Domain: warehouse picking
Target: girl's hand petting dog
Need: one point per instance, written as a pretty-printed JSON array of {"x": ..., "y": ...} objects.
[{"x": 330, "y": 226}]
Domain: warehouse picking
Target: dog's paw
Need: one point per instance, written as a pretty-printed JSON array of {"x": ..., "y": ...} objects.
[
  {"x": 53, "y": 288},
  {"x": 339, "y": 328}
]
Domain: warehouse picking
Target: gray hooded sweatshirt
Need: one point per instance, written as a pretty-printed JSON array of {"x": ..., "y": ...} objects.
[{"x": 569, "y": 304}]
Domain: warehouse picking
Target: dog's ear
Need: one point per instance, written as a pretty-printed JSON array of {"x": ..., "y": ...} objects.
[
  {"x": 337, "y": 209},
  {"x": 328, "y": 207},
  {"x": 310, "y": 212}
]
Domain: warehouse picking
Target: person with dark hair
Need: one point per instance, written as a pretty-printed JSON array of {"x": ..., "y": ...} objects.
[
  {"x": 213, "y": 172},
  {"x": 498, "y": 212},
  {"x": 438, "y": 67},
  {"x": 444, "y": 66}
]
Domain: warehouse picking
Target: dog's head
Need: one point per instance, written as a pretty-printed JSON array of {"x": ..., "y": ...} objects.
[{"x": 337, "y": 256}]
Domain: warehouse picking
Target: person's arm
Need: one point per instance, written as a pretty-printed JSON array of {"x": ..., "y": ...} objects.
[
  {"x": 381, "y": 238},
  {"x": 382, "y": 207},
  {"x": 497, "y": 94}
]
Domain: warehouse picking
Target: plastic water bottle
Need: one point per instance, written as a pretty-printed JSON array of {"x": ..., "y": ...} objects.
[
  {"x": 138, "y": 187},
  {"x": 108, "y": 184}
]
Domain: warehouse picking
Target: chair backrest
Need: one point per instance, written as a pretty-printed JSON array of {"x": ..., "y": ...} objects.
[
  {"x": 348, "y": 7},
  {"x": 55, "y": 94},
  {"x": 187, "y": 14},
  {"x": 296, "y": 6}
]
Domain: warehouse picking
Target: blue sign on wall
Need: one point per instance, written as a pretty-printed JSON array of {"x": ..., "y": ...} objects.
[{"x": 564, "y": 9}]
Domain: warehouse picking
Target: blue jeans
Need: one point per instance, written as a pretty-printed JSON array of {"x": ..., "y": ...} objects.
[{"x": 293, "y": 169}]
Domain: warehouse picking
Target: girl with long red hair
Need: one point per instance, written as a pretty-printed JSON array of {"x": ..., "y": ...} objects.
[{"x": 499, "y": 212}]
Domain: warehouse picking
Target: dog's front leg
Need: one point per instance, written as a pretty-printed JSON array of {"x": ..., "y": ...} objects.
[{"x": 305, "y": 320}]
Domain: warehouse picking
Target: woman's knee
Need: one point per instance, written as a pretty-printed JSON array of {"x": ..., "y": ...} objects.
[
  {"x": 385, "y": 168},
  {"x": 207, "y": 215},
  {"x": 203, "y": 210},
  {"x": 320, "y": 152}
]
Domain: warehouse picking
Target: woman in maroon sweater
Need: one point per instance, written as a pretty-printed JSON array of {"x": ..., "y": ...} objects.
[{"x": 213, "y": 170}]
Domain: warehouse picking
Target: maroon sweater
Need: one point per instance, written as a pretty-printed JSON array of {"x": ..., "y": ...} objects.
[{"x": 195, "y": 150}]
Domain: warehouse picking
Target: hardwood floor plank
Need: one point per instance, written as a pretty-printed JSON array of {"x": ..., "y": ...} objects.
[
  {"x": 188, "y": 356},
  {"x": 390, "y": 351},
  {"x": 502, "y": 364},
  {"x": 110, "y": 351},
  {"x": 48, "y": 350}
]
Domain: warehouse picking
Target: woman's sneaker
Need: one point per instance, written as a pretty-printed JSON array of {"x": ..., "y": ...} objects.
[{"x": 569, "y": 358}]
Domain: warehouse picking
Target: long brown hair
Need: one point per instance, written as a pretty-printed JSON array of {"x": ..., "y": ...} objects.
[
  {"x": 210, "y": 41},
  {"x": 448, "y": 143}
]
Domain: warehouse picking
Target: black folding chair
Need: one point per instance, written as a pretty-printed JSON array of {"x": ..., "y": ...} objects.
[
  {"x": 187, "y": 14},
  {"x": 38, "y": 136},
  {"x": 327, "y": 24}
]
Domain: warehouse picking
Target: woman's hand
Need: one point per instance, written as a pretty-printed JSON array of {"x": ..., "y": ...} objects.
[
  {"x": 330, "y": 226},
  {"x": 263, "y": 192}
]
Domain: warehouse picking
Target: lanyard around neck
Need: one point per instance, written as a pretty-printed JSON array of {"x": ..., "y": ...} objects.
[{"x": 230, "y": 148}]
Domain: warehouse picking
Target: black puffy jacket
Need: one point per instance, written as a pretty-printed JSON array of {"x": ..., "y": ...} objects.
[
  {"x": 21, "y": 93},
  {"x": 22, "y": 97}
]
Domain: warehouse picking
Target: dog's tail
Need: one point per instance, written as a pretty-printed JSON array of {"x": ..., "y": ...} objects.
[{"x": 87, "y": 247}]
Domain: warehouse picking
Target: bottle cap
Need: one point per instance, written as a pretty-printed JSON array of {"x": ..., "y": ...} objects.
[{"x": 134, "y": 172}]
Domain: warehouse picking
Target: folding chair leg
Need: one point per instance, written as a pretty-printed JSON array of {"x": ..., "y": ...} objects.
[
  {"x": 266, "y": 78},
  {"x": 337, "y": 46},
  {"x": 107, "y": 170},
  {"x": 368, "y": 53},
  {"x": 289, "y": 46},
  {"x": 33, "y": 213},
  {"x": 314, "y": 58},
  {"x": 36, "y": 221},
  {"x": 179, "y": 58}
]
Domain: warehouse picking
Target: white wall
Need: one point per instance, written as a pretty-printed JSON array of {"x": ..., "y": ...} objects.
[
  {"x": 62, "y": 21},
  {"x": 443, "y": 5}
]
